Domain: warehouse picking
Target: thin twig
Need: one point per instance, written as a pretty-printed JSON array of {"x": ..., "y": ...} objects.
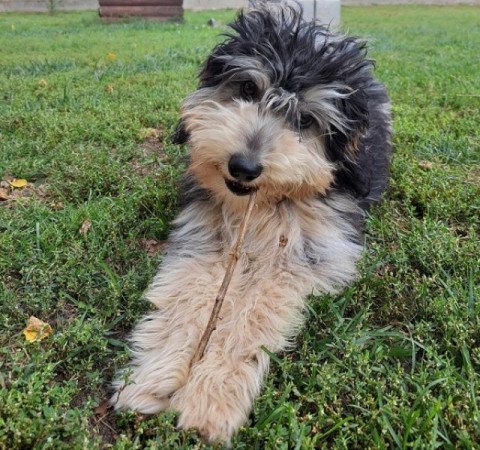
[{"x": 232, "y": 262}]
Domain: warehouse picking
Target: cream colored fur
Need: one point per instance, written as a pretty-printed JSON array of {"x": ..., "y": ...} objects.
[
  {"x": 296, "y": 244},
  {"x": 263, "y": 307}
]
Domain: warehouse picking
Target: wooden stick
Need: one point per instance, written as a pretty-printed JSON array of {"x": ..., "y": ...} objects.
[{"x": 232, "y": 262}]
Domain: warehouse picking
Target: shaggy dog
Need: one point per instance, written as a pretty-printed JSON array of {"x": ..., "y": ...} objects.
[{"x": 291, "y": 110}]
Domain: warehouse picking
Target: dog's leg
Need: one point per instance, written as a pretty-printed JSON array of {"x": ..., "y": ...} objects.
[
  {"x": 220, "y": 390},
  {"x": 158, "y": 368},
  {"x": 165, "y": 340}
]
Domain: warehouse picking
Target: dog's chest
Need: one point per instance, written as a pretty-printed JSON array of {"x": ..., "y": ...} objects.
[
  {"x": 273, "y": 243},
  {"x": 311, "y": 243}
]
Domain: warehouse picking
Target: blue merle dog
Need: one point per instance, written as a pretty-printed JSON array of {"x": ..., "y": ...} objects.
[{"x": 291, "y": 110}]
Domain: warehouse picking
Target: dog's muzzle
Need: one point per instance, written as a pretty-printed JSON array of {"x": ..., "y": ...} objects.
[
  {"x": 244, "y": 170},
  {"x": 239, "y": 188}
]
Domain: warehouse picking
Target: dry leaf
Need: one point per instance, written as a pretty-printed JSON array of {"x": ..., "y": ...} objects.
[
  {"x": 4, "y": 194},
  {"x": 146, "y": 133},
  {"x": 18, "y": 183},
  {"x": 57, "y": 206},
  {"x": 3, "y": 383},
  {"x": 102, "y": 408},
  {"x": 425, "y": 165},
  {"x": 111, "y": 56},
  {"x": 152, "y": 246},
  {"x": 36, "y": 329},
  {"x": 109, "y": 88},
  {"x": 86, "y": 225}
]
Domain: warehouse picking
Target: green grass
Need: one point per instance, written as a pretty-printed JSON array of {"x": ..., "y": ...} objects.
[{"x": 393, "y": 362}]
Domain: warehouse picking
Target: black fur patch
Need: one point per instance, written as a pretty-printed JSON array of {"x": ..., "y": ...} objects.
[
  {"x": 297, "y": 55},
  {"x": 179, "y": 135}
]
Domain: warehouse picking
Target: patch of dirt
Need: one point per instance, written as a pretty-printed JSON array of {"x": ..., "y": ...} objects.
[
  {"x": 473, "y": 175},
  {"x": 103, "y": 423},
  {"x": 102, "y": 420},
  {"x": 418, "y": 209},
  {"x": 151, "y": 154},
  {"x": 385, "y": 269},
  {"x": 64, "y": 315},
  {"x": 11, "y": 278},
  {"x": 152, "y": 246}
]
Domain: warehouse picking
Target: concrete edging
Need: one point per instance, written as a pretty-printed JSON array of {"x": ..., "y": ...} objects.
[{"x": 77, "y": 5}]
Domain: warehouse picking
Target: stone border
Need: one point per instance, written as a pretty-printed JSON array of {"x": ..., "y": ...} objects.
[
  {"x": 408, "y": 2},
  {"x": 198, "y": 5},
  {"x": 43, "y": 5},
  {"x": 76, "y": 5}
]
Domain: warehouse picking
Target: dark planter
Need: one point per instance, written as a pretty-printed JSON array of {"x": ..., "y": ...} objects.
[{"x": 154, "y": 9}]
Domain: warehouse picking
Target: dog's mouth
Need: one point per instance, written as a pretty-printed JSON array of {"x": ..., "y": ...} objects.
[{"x": 238, "y": 188}]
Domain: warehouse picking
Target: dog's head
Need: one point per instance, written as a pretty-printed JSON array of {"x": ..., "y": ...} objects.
[{"x": 281, "y": 104}]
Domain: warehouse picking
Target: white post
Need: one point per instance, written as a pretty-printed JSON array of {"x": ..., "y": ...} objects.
[{"x": 327, "y": 12}]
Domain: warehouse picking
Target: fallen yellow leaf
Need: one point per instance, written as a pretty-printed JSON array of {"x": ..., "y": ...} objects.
[
  {"x": 18, "y": 183},
  {"x": 109, "y": 88},
  {"x": 30, "y": 335},
  {"x": 36, "y": 329},
  {"x": 111, "y": 56}
]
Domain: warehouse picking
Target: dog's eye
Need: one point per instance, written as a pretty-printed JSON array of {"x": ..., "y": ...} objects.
[
  {"x": 306, "y": 120},
  {"x": 248, "y": 90}
]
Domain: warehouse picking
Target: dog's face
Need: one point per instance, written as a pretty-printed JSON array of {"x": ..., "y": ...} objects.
[{"x": 281, "y": 103}]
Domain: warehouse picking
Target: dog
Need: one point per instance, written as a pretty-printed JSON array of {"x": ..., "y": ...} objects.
[{"x": 291, "y": 110}]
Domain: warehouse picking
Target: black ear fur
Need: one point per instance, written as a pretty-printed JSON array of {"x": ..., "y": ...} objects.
[
  {"x": 179, "y": 135},
  {"x": 342, "y": 145},
  {"x": 366, "y": 175}
]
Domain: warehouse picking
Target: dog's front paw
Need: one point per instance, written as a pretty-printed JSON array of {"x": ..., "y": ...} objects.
[
  {"x": 138, "y": 398},
  {"x": 218, "y": 397},
  {"x": 215, "y": 418}
]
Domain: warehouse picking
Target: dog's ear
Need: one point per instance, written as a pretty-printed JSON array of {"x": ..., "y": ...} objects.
[
  {"x": 342, "y": 144},
  {"x": 179, "y": 135}
]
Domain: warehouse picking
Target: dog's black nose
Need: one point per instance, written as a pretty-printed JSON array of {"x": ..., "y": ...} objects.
[{"x": 243, "y": 168}]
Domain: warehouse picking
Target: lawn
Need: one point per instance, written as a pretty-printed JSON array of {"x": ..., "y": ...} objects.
[{"x": 85, "y": 114}]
